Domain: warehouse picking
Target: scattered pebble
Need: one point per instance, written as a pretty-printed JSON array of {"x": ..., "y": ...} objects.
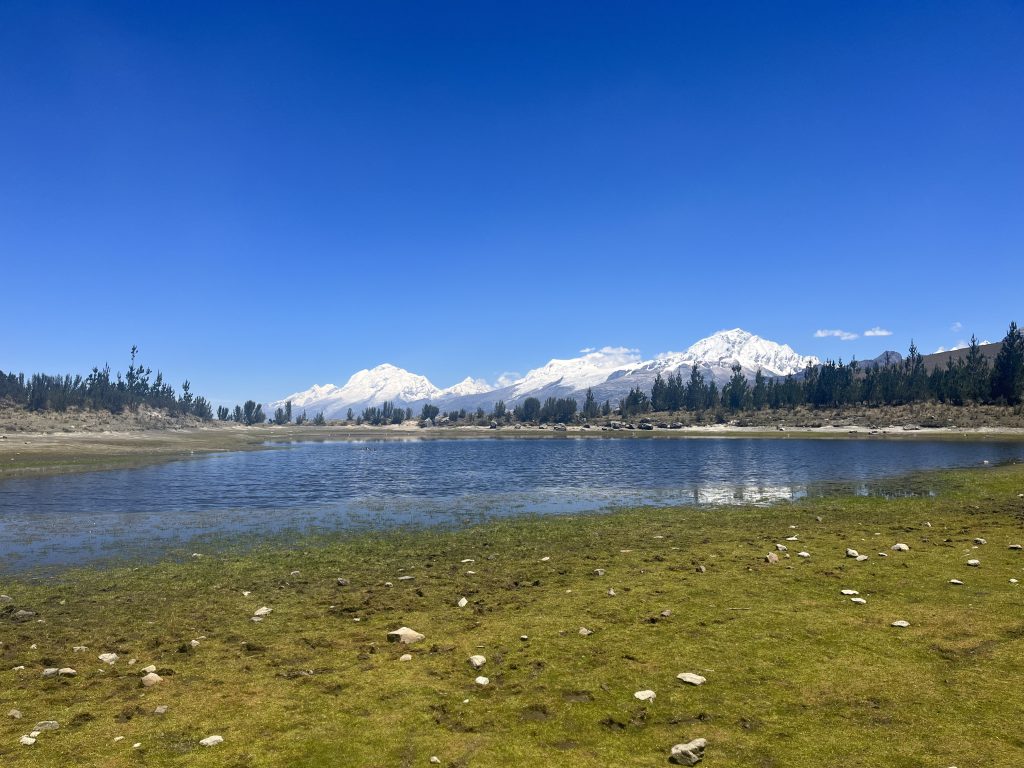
[
  {"x": 108, "y": 658},
  {"x": 861, "y": 558},
  {"x": 956, "y": 582},
  {"x": 66, "y": 672},
  {"x": 858, "y": 600},
  {"x": 405, "y": 657},
  {"x": 477, "y": 661},
  {"x": 481, "y": 681},
  {"x": 435, "y": 760},
  {"x": 848, "y": 592},
  {"x": 47, "y": 725},
  {"x": 584, "y": 632},
  {"x": 611, "y": 593},
  {"x": 544, "y": 559},
  {"x": 852, "y": 553},
  {"x": 599, "y": 571},
  {"x": 771, "y": 557},
  {"x": 463, "y": 602},
  {"x": 50, "y": 671},
  {"x": 782, "y": 548},
  {"x": 212, "y": 741},
  {"x": 150, "y": 668},
  {"x": 1017, "y": 547},
  {"x": 692, "y": 678},
  {"x": 791, "y": 538},
  {"x": 151, "y": 679},
  {"x": 28, "y": 741},
  {"x": 161, "y": 710},
  {"x": 137, "y": 745},
  {"x": 80, "y": 648},
  {"x": 974, "y": 563},
  {"x": 900, "y": 548},
  {"x": 264, "y": 611},
  {"x": 980, "y": 540},
  {"x": 803, "y": 554},
  {"x": 295, "y": 574},
  {"x": 900, "y": 623},
  {"x": 14, "y": 714},
  {"x": 644, "y": 695},
  {"x": 342, "y": 582}
]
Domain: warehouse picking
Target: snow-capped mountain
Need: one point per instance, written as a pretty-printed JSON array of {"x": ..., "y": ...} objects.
[
  {"x": 611, "y": 372},
  {"x": 365, "y": 388}
]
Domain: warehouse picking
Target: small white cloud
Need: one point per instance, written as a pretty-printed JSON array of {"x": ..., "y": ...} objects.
[
  {"x": 876, "y": 331},
  {"x": 841, "y": 335},
  {"x": 507, "y": 378},
  {"x": 956, "y": 328},
  {"x": 586, "y": 350}
]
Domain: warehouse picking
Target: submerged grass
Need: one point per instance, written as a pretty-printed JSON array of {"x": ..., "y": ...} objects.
[{"x": 797, "y": 674}]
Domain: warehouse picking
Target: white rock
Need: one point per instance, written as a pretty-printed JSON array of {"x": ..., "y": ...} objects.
[
  {"x": 435, "y": 760},
  {"x": 899, "y": 548},
  {"x": 599, "y": 571},
  {"x": 791, "y": 538},
  {"x": 264, "y": 611},
  {"x": 1013, "y": 581},
  {"x": 388, "y": 584},
  {"x": 14, "y": 714},
  {"x": 848, "y": 592},
  {"x": 137, "y": 745},
  {"x": 295, "y": 574},
  {"x": 803, "y": 554},
  {"x": 690, "y": 753},
  {"x": 611, "y": 593},
  {"x": 118, "y": 738},
  {"x": 147, "y": 670},
  {"x": 66, "y": 672},
  {"x": 771, "y": 557},
  {"x": 405, "y": 657},
  {"x": 161, "y": 710},
  {"x": 463, "y": 602},
  {"x": 246, "y": 593},
  {"x": 50, "y": 672},
  {"x": 212, "y": 741},
  {"x": 482, "y": 680},
  {"x": 405, "y": 635},
  {"x": 28, "y": 741},
  {"x": 524, "y": 637},
  {"x": 405, "y": 578},
  {"x": 852, "y": 553},
  {"x": 1017, "y": 547},
  {"x": 257, "y": 618},
  {"x": 477, "y": 661},
  {"x": 194, "y": 643},
  {"x": 152, "y": 679},
  {"x": 544, "y": 559},
  {"x": 108, "y": 658},
  {"x": 468, "y": 560},
  {"x": 644, "y": 695},
  {"x": 974, "y": 563},
  {"x": 782, "y": 548},
  {"x": 956, "y": 582},
  {"x": 80, "y": 648},
  {"x": 858, "y": 600},
  {"x": 47, "y": 725},
  {"x": 35, "y": 734},
  {"x": 900, "y": 623},
  {"x": 861, "y": 558},
  {"x": 584, "y": 632},
  {"x": 692, "y": 678},
  {"x": 980, "y": 541}
]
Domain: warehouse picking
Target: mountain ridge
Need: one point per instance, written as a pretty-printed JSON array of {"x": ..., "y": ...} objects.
[{"x": 609, "y": 371}]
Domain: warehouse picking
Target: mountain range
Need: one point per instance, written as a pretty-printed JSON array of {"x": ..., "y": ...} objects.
[{"x": 611, "y": 372}]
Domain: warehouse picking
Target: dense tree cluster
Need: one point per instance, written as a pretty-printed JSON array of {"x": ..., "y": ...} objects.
[
  {"x": 387, "y": 413},
  {"x": 102, "y": 391}
]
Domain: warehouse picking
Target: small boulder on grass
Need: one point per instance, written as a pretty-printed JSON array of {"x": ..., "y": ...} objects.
[
  {"x": 212, "y": 741},
  {"x": 690, "y": 753},
  {"x": 405, "y": 635}
]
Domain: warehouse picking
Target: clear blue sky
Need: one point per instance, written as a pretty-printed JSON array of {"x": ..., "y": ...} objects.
[{"x": 267, "y": 195}]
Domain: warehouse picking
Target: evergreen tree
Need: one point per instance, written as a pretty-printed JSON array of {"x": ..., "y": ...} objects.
[
  {"x": 429, "y": 412},
  {"x": 1008, "y": 369},
  {"x": 222, "y": 413},
  {"x": 590, "y": 406},
  {"x": 977, "y": 378}
]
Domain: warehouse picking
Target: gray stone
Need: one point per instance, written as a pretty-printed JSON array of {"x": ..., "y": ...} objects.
[
  {"x": 1017, "y": 547},
  {"x": 405, "y": 635},
  {"x": 481, "y": 681},
  {"x": 690, "y": 753},
  {"x": 644, "y": 695},
  {"x": 47, "y": 725},
  {"x": 23, "y": 615},
  {"x": 861, "y": 558},
  {"x": 14, "y": 714},
  {"x": 692, "y": 678},
  {"x": 974, "y": 563},
  {"x": 405, "y": 657},
  {"x": 980, "y": 540},
  {"x": 108, "y": 658},
  {"x": 584, "y": 632},
  {"x": 343, "y": 582},
  {"x": 50, "y": 672},
  {"x": 161, "y": 710},
  {"x": 900, "y": 623},
  {"x": 147, "y": 670},
  {"x": 803, "y": 554},
  {"x": 771, "y": 557},
  {"x": 264, "y": 611},
  {"x": 899, "y": 548},
  {"x": 66, "y": 672},
  {"x": 852, "y": 553},
  {"x": 782, "y": 548},
  {"x": 477, "y": 661},
  {"x": 28, "y": 741},
  {"x": 151, "y": 679},
  {"x": 599, "y": 571}
]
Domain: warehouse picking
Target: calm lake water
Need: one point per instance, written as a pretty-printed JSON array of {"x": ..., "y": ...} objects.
[{"x": 303, "y": 487}]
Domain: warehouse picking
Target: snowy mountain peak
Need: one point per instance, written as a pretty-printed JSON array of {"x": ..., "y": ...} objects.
[
  {"x": 752, "y": 352},
  {"x": 468, "y": 386},
  {"x": 592, "y": 367}
]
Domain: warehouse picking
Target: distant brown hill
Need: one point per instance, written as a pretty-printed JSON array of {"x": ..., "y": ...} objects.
[{"x": 939, "y": 358}]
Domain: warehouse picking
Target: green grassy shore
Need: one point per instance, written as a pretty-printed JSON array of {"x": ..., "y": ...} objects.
[{"x": 797, "y": 674}]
